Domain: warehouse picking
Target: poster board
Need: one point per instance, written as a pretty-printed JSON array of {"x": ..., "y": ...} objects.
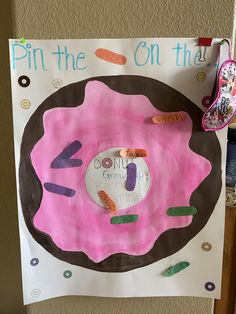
[{"x": 76, "y": 104}]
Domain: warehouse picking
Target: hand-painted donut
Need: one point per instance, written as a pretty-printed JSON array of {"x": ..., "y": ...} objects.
[{"x": 71, "y": 152}]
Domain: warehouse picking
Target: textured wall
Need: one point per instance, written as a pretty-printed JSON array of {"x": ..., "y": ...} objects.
[
  {"x": 92, "y": 305},
  {"x": 122, "y": 18}
]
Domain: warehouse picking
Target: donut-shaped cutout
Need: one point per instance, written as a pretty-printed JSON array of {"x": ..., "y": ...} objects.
[
  {"x": 202, "y": 147},
  {"x": 24, "y": 81}
]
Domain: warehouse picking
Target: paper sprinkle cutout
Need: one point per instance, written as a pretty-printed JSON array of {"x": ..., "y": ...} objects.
[
  {"x": 131, "y": 176},
  {"x": 182, "y": 211},
  {"x": 168, "y": 118},
  {"x": 67, "y": 274},
  {"x": 63, "y": 159},
  {"x": 24, "y": 81},
  {"x": 59, "y": 189},
  {"x": 110, "y": 56},
  {"x": 133, "y": 152},
  {"x": 123, "y": 219},
  {"x": 107, "y": 202},
  {"x": 210, "y": 286},
  {"x": 206, "y": 246},
  {"x": 175, "y": 269}
]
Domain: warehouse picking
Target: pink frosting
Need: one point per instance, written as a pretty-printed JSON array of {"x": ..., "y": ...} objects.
[{"x": 109, "y": 119}]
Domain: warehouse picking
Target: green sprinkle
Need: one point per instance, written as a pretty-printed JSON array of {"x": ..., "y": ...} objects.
[
  {"x": 23, "y": 41},
  {"x": 123, "y": 219},
  {"x": 182, "y": 211},
  {"x": 175, "y": 269}
]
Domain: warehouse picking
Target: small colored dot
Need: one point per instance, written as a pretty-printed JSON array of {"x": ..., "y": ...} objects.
[
  {"x": 206, "y": 246},
  {"x": 107, "y": 162},
  {"x": 25, "y": 104},
  {"x": 34, "y": 261},
  {"x": 67, "y": 274},
  {"x": 201, "y": 76},
  {"x": 24, "y": 81},
  {"x": 36, "y": 292},
  {"x": 208, "y": 64},
  {"x": 57, "y": 83},
  {"x": 210, "y": 286},
  {"x": 28, "y": 46},
  {"x": 206, "y": 101}
]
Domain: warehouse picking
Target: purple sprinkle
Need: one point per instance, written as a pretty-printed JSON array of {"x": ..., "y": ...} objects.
[
  {"x": 66, "y": 163},
  {"x": 63, "y": 159},
  {"x": 131, "y": 176},
  {"x": 59, "y": 189},
  {"x": 34, "y": 261}
]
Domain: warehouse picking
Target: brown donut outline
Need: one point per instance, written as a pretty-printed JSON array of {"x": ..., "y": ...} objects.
[{"x": 204, "y": 198}]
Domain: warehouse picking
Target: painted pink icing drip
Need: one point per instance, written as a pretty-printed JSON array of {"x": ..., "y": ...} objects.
[{"x": 109, "y": 119}]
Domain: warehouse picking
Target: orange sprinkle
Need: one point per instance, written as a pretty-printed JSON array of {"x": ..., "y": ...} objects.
[
  {"x": 107, "y": 202},
  {"x": 110, "y": 56},
  {"x": 133, "y": 152},
  {"x": 169, "y": 118}
]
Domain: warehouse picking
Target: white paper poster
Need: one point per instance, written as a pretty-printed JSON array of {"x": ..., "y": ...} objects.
[{"x": 120, "y": 191}]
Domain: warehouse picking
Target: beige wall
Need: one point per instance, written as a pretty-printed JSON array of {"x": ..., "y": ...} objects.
[
  {"x": 10, "y": 278},
  {"x": 106, "y": 18}
]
